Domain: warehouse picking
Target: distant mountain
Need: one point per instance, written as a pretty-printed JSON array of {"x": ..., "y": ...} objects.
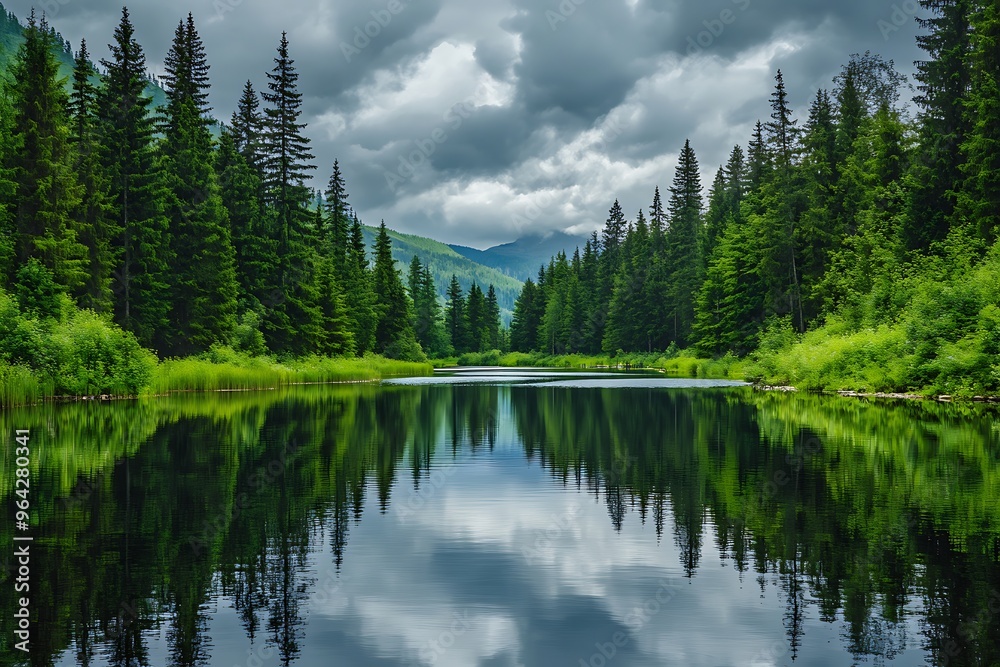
[
  {"x": 522, "y": 258},
  {"x": 444, "y": 262}
]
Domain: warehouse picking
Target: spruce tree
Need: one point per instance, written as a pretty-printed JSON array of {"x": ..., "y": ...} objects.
[
  {"x": 979, "y": 201},
  {"x": 683, "y": 248},
  {"x": 204, "y": 283},
  {"x": 247, "y": 126},
  {"x": 41, "y": 162},
  {"x": 358, "y": 288},
  {"x": 253, "y": 242},
  {"x": 337, "y": 210},
  {"x": 944, "y": 81},
  {"x": 455, "y": 317},
  {"x": 393, "y": 324},
  {"x": 525, "y": 322},
  {"x": 126, "y": 131},
  {"x": 96, "y": 215},
  {"x": 292, "y": 317},
  {"x": 493, "y": 324}
]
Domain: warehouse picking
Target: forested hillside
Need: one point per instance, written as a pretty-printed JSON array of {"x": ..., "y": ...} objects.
[
  {"x": 847, "y": 245},
  {"x": 445, "y": 262}
]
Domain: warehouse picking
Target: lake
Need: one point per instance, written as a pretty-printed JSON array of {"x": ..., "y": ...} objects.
[{"x": 509, "y": 517}]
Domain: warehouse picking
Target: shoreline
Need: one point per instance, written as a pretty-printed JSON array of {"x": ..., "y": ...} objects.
[{"x": 901, "y": 396}]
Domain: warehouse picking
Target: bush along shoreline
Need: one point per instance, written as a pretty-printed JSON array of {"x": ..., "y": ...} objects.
[{"x": 49, "y": 349}]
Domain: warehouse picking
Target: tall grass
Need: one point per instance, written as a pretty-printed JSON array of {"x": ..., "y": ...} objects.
[
  {"x": 20, "y": 386},
  {"x": 677, "y": 364},
  {"x": 224, "y": 369}
]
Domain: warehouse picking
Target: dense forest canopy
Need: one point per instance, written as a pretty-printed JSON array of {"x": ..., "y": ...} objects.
[
  {"x": 868, "y": 231},
  {"x": 179, "y": 233},
  {"x": 849, "y": 228}
]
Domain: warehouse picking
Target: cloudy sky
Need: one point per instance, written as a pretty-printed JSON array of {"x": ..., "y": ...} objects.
[{"x": 479, "y": 122}]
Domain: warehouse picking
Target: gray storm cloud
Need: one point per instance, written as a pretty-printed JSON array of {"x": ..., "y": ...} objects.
[{"x": 476, "y": 123}]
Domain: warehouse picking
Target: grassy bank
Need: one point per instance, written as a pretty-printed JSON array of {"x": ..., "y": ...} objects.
[
  {"x": 220, "y": 369},
  {"x": 676, "y": 365},
  {"x": 224, "y": 369}
]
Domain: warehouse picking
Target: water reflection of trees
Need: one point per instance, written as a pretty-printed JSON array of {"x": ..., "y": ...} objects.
[{"x": 153, "y": 509}]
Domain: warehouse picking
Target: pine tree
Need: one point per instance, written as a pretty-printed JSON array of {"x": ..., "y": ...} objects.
[
  {"x": 525, "y": 322},
  {"x": 781, "y": 130},
  {"x": 475, "y": 312},
  {"x": 759, "y": 162},
  {"x": 359, "y": 291},
  {"x": 819, "y": 231},
  {"x": 253, "y": 242},
  {"x": 286, "y": 149},
  {"x": 247, "y": 126},
  {"x": 204, "y": 284},
  {"x": 979, "y": 201},
  {"x": 944, "y": 81},
  {"x": 683, "y": 247},
  {"x": 393, "y": 324},
  {"x": 455, "y": 317},
  {"x": 41, "y": 163},
  {"x": 292, "y": 317},
  {"x": 337, "y": 210},
  {"x": 95, "y": 213},
  {"x": 126, "y": 131},
  {"x": 337, "y": 338},
  {"x": 493, "y": 324}
]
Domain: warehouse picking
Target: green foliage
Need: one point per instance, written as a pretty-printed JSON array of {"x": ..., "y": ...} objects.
[
  {"x": 79, "y": 354},
  {"x": 222, "y": 368}
]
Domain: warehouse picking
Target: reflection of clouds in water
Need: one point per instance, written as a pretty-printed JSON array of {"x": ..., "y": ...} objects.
[{"x": 463, "y": 554}]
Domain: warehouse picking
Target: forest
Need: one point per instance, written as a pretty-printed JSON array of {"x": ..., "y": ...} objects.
[
  {"x": 848, "y": 247},
  {"x": 852, "y": 246},
  {"x": 129, "y": 230}
]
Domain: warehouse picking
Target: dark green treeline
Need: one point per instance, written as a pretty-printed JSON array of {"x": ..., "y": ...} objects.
[
  {"x": 147, "y": 528},
  {"x": 182, "y": 238},
  {"x": 824, "y": 215}
]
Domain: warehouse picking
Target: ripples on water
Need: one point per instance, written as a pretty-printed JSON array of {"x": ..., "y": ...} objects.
[{"x": 513, "y": 517}]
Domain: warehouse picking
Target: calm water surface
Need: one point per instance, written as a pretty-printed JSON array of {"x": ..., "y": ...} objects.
[{"x": 503, "y": 518}]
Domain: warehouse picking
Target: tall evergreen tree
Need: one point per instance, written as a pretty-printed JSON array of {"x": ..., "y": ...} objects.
[
  {"x": 456, "y": 320},
  {"x": 41, "y": 162},
  {"x": 979, "y": 201},
  {"x": 203, "y": 272},
  {"x": 391, "y": 305},
  {"x": 944, "y": 81},
  {"x": 683, "y": 247},
  {"x": 493, "y": 325},
  {"x": 359, "y": 292},
  {"x": 247, "y": 125},
  {"x": 292, "y": 313},
  {"x": 126, "y": 130},
  {"x": 95, "y": 213},
  {"x": 337, "y": 210},
  {"x": 526, "y": 320}
]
